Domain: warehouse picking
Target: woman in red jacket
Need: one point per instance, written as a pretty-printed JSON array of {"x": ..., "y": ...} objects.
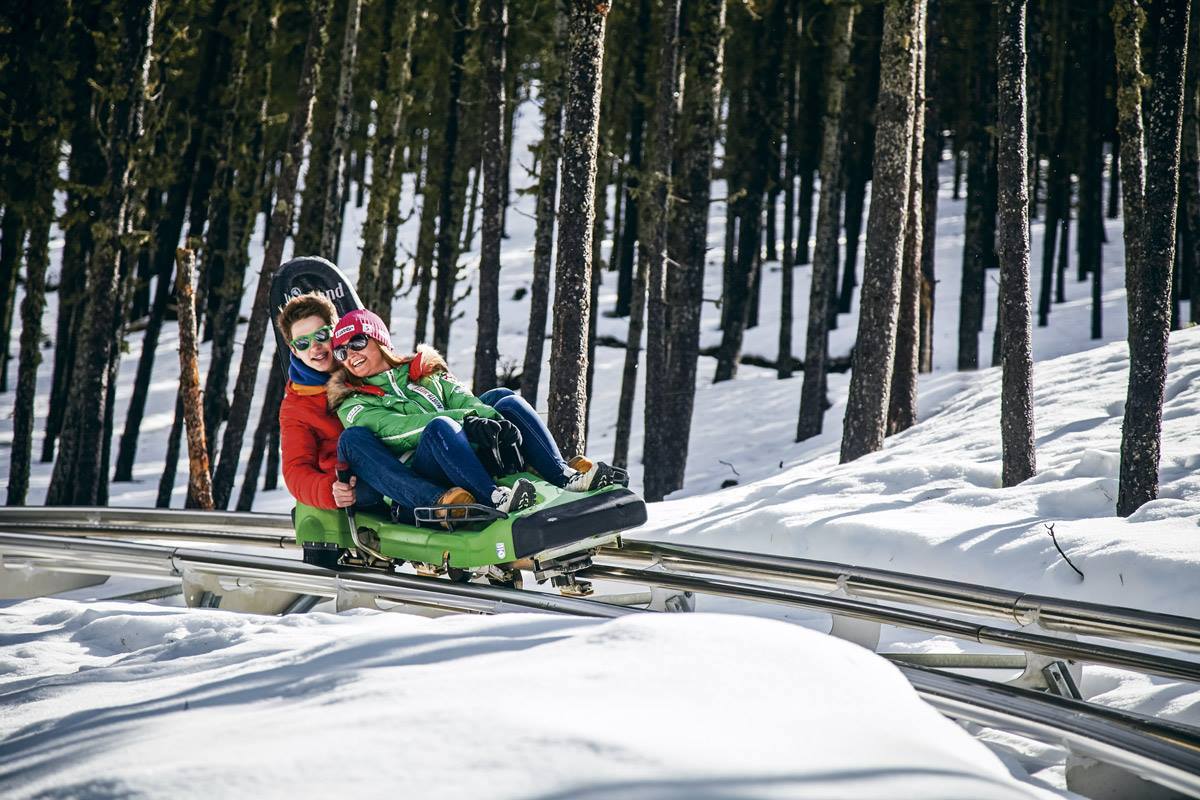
[{"x": 309, "y": 431}]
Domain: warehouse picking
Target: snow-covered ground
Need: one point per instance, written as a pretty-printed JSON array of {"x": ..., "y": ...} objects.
[
  {"x": 115, "y": 700},
  {"x": 107, "y": 699}
]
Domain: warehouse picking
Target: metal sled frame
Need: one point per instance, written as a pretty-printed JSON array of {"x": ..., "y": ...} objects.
[{"x": 455, "y": 515}]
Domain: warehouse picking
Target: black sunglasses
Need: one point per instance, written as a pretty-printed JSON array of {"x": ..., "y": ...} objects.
[
  {"x": 323, "y": 334},
  {"x": 357, "y": 342}
]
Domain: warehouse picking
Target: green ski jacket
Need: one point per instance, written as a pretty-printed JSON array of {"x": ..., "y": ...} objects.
[{"x": 396, "y": 408}]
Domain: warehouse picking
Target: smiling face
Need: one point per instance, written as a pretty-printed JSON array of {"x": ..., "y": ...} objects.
[
  {"x": 318, "y": 355},
  {"x": 366, "y": 362}
]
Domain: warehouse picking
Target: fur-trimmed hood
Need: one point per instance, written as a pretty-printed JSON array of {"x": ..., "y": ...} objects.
[{"x": 425, "y": 362}]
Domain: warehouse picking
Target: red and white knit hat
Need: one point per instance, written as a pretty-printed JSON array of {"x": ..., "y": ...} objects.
[{"x": 361, "y": 321}]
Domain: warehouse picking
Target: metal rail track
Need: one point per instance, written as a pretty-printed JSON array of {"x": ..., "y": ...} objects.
[
  {"x": 1160, "y": 752},
  {"x": 1048, "y": 613}
]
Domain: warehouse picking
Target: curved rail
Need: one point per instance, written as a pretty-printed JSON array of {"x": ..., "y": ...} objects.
[
  {"x": 1048, "y": 613},
  {"x": 904, "y": 618},
  {"x": 62, "y": 554},
  {"x": 1161, "y": 752}
]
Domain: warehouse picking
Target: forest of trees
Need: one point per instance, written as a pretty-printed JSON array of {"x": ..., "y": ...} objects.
[{"x": 130, "y": 128}]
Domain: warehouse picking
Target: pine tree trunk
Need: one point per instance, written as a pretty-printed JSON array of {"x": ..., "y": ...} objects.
[
  {"x": 547, "y": 197},
  {"x": 902, "y": 403},
  {"x": 375, "y": 287},
  {"x": 336, "y": 180},
  {"x": 825, "y": 253},
  {"x": 656, "y": 451},
  {"x": 268, "y": 420},
  {"x": 756, "y": 127},
  {"x": 488, "y": 329},
  {"x": 1057, "y": 177},
  {"x": 44, "y": 134},
  {"x": 79, "y": 476},
  {"x": 931, "y": 157},
  {"x": 1149, "y": 233},
  {"x": 633, "y": 173},
  {"x": 855, "y": 205},
  {"x": 449, "y": 193},
  {"x": 698, "y": 133},
  {"x": 791, "y": 126},
  {"x": 281, "y": 223},
  {"x": 1189, "y": 167},
  {"x": 427, "y": 240},
  {"x": 576, "y": 211},
  {"x": 1016, "y": 398},
  {"x": 199, "y": 481},
  {"x": 874, "y": 352}
]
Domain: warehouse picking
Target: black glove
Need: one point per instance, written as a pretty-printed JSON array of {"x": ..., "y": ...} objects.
[
  {"x": 484, "y": 435},
  {"x": 509, "y": 448}
]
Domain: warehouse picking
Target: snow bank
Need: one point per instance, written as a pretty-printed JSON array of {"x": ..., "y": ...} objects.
[
  {"x": 133, "y": 700},
  {"x": 931, "y": 502}
]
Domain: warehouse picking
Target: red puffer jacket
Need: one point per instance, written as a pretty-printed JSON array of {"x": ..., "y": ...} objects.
[{"x": 308, "y": 436}]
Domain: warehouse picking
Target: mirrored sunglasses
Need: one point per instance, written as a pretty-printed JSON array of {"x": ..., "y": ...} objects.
[
  {"x": 357, "y": 342},
  {"x": 322, "y": 335}
]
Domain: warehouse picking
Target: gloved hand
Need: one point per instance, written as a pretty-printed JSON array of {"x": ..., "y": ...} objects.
[
  {"x": 484, "y": 435},
  {"x": 509, "y": 448}
]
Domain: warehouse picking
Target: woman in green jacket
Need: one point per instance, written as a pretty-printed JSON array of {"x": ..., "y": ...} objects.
[
  {"x": 426, "y": 417},
  {"x": 419, "y": 413}
]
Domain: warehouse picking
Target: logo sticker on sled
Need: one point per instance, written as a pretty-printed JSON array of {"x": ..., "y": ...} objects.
[{"x": 500, "y": 551}]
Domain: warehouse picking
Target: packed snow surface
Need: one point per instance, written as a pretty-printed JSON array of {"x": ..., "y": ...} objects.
[
  {"x": 124, "y": 700},
  {"x": 931, "y": 501}
]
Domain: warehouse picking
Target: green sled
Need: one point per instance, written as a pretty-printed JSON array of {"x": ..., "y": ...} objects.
[{"x": 559, "y": 524}]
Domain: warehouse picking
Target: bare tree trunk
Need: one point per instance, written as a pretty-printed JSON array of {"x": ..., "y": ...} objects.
[
  {"x": 931, "y": 157},
  {"x": 281, "y": 224},
  {"x": 699, "y": 129},
  {"x": 874, "y": 352},
  {"x": 1150, "y": 200},
  {"x": 547, "y": 197},
  {"x": 656, "y": 211},
  {"x": 1016, "y": 398},
  {"x": 633, "y": 172},
  {"x": 1189, "y": 167},
  {"x": 336, "y": 180},
  {"x": 375, "y": 284},
  {"x": 816, "y": 350},
  {"x": 572, "y": 290},
  {"x": 792, "y": 133},
  {"x": 79, "y": 476},
  {"x": 450, "y": 214},
  {"x": 488, "y": 329},
  {"x": 902, "y": 404},
  {"x": 756, "y": 125},
  {"x": 199, "y": 481},
  {"x": 32, "y": 306},
  {"x": 268, "y": 421}
]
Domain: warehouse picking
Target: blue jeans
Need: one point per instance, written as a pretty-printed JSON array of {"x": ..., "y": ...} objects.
[
  {"x": 537, "y": 444},
  {"x": 445, "y": 456},
  {"x": 381, "y": 476}
]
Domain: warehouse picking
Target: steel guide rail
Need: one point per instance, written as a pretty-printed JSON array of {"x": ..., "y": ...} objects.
[
  {"x": 1165, "y": 753},
  {"x": 904, "y": 618},
  {"x": 61, "y": 554},
  {"x": 1048, "y": 613}
]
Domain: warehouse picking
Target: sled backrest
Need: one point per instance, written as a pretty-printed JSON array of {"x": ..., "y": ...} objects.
[{"x": 307, "y": 274}]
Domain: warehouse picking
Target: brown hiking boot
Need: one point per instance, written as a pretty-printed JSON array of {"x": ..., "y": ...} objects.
[
  {"x": 455, "y": 496},
  {"x": 580, "y": 464}
]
